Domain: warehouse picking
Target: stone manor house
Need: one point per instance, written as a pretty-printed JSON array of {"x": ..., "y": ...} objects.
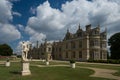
[{"x": 81, "y": 46}]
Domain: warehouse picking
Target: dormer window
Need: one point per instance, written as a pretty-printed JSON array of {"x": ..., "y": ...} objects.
[
  {"x": 49, "y": 49},
  {"x": 104, "y": 36},
  {"x": 95, "y": 32}
]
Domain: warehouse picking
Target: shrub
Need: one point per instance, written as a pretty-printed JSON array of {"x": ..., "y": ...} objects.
[
  {"x": 114, "y": 61},
  {"x": 7, "y": 59},
  {"x": 19, "y": 56},
  {"x": 106, "y": 61},
  {"x": 72, "y": 61}
]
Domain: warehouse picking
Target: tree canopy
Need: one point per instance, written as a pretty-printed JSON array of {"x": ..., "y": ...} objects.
[
  {"x": 5, "y": 50},
  {"x": 114, "y": 43}
]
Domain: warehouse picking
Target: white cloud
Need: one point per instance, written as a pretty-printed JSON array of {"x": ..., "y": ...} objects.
[
  {"x": 47, "y": 18},
  {"x": 8, "y": 32},
  {"x": 33, "y": 10},
  {"x": 53, "y": 22},
  {"x": 20, "y": 27},
  {"x": 117, "y": 1},
  {"x": 35, "y": 36},
  {"x": 5, "y": 11},
  {"x": 38, "y": 36},
  {"x": 19, "y": 48},
  {"x": 14, "y": 0},
  {"x": 17, "y": 14}
]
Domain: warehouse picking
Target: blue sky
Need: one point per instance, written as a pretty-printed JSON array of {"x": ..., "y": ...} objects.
[{"x": 35, "y": 20}]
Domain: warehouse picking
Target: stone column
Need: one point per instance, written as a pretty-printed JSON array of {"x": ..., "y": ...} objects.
[{"x": 85, "y": 51}]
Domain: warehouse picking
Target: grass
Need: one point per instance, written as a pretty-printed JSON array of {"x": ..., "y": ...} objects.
[
  {"x": 11, "y": 59},
  {"x": 51, "y": 63},
  {"x": 82, "y": 65},
  {"x": 46, "y": 73}
]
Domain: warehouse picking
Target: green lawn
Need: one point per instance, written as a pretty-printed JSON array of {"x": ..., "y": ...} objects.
[
  {"x": 51, "y": 63},
  {"x": 46, "y": 73},
  {"x": 82, "y": 65},
  {"x": 11, "y": 59}
]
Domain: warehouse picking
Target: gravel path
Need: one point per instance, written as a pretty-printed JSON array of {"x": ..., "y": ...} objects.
[
  {"x": 2, "y": 62},
  {"x": 104, "y": 73}
]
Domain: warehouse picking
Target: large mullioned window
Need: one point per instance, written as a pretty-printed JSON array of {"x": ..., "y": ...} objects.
[
  {"x": 80, "y": 44},
  {"x": 80, "y": 54},
  {"x": 66, "y": 55}
]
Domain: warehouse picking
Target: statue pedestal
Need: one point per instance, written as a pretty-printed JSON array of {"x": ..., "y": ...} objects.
[
  {"x": 25, "y": 68},
  {"x": 7, "y": 64},
  {"x": 47, "y": 63}
]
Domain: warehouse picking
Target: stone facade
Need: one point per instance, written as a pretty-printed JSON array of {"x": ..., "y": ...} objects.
[
  {"x": 81, "y": 46},
  {"x": 44, "y": 51}
]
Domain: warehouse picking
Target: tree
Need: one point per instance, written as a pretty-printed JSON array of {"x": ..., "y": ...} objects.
[
  {"x": 5, "y": 50},
  {"x": 114, "y": 43}
]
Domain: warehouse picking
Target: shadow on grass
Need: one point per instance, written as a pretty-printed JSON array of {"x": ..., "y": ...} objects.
[{"x": 16, "y": 72}]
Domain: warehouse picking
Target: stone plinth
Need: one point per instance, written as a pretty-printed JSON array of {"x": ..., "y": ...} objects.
[
  {"x": 7, "y": 64},
  {"x": 73, "y": 65},
  {"x": 25, "y": 68},
  {"x": 47, "y": 63}
]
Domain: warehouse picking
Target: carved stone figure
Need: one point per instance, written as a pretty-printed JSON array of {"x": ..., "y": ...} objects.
[{"x": 25, "y": 49}]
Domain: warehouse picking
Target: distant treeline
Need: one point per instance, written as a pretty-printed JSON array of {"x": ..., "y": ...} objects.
[{"x": 5, "y": 50}]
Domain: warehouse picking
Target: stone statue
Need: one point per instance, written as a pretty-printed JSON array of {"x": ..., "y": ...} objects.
[{"x": 25, "y": 49}]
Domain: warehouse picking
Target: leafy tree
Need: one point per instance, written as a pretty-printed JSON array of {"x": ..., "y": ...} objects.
[
  {"x": 114, "y": 43},
  {"x": 5, "y": 50}
]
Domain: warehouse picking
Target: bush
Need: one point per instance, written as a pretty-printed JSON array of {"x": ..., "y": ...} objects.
[
  {"x": 106, "y": 61},
  {"x": 5, "y": 50},
  {"x": 19, "y": 56},
  {"x": 114, "y": 61},
  {"x": 72, "y": 61},
  {"x": 7, "y": 59}
]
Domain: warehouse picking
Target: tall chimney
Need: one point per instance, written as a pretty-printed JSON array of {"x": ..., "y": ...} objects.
[
  {"x": 37, "y": 44},
  {"x": 88, "y": 27}
]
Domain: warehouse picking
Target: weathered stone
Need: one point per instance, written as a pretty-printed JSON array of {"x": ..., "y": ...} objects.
[
  {"x": 73, "y": 65},
  {"x": 7, "y": 64},
  {"x": 25, "y": 68}
]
